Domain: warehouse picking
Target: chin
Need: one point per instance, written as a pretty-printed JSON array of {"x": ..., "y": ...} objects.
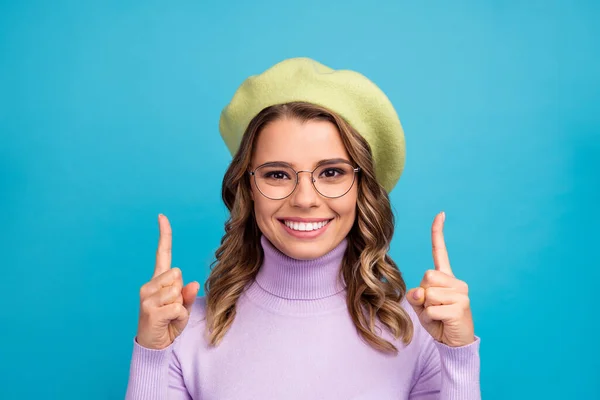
[{"x": 304, "y": 249}]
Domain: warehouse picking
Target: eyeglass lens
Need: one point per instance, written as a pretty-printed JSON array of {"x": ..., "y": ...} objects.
[{"x": 278, "y": 181}]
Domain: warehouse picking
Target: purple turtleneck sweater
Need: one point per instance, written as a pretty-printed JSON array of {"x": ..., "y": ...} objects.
[{"x": 293, "y": 338}]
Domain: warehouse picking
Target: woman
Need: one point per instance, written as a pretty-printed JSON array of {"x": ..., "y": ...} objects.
[{"x": 303, "y": 301}]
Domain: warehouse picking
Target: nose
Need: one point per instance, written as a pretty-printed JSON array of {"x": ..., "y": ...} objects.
[{"x": 305, "y": 194}]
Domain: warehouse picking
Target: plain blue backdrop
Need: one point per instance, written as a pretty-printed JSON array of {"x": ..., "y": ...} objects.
[{"x": 109, "y": 115}]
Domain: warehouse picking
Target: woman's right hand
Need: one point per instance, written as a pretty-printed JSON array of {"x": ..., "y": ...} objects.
[{"x": 165, "y": 304}]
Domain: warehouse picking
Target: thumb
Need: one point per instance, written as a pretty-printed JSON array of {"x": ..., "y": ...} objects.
[
  {"x": 416, "y": 298},
  {"x": 189, "y": 293}
]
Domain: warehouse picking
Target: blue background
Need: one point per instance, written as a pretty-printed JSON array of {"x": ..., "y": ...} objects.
[{"x": 109, "y": 115}]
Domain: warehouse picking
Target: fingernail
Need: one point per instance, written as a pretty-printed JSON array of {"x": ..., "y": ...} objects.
[{"x": 443, "y": 216}]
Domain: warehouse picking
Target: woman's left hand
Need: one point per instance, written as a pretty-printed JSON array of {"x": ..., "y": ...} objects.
[{"x": 442, "y": 301}]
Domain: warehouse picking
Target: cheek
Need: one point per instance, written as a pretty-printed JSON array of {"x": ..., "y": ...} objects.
[
  {"x": 345, "y": 207},
  {"x": 260, "y": 204},
  {"x": 264, "y": 209}
]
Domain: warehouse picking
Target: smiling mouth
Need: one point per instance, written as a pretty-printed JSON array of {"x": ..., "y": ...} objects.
[{"x": 305, "y": 226}]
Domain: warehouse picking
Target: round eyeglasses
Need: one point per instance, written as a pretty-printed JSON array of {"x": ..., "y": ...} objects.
[{"x": 278, "y": 180}]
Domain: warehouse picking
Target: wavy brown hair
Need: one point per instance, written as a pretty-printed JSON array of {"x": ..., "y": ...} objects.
[{"x": 375, "y": 286}]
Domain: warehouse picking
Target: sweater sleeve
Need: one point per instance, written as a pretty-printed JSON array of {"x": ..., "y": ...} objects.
[
  {"x": 448, "y": 373},
  {"x": 155, "y": 375}
]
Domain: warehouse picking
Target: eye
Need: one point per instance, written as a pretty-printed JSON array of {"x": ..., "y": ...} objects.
[
  {"x": 277, "y": 175},
  {"x": 332, "y": 173}
]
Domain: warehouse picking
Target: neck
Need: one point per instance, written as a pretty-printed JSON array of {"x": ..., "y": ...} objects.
[
  {"x": 293, "y": 279},
  {"x": 287, "y": 286}
]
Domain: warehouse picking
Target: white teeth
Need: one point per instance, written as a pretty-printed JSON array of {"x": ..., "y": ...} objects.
[{"x": 305, "y": 226}]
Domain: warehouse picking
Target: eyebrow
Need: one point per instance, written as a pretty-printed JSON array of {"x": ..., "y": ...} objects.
[{"x": 319, "y": 163}]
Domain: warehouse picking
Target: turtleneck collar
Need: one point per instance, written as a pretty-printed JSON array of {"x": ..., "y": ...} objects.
[{"x": 293, "y": 286}]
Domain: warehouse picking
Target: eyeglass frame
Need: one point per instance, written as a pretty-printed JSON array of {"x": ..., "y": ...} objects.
[{"x": 312, "y": 178}]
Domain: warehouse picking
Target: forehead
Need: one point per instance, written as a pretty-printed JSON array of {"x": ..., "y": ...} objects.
[{"x": 301, "y": 144}]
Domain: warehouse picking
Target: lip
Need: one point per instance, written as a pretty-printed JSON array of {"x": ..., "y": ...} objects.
[
  {"x": 298, "y": 219},
  {"x": 305, "y": 234}
]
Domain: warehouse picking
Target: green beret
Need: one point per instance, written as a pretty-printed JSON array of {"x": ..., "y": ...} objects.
[{"x": 347, "y": 93}]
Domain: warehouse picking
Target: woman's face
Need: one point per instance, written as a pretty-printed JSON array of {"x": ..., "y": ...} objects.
[{"x": 303, "y": 146}]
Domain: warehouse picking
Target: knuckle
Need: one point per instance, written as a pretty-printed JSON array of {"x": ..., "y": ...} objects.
[
  {"x": 465, "y": 286},
  {"x": 428, "y": 311},
  {"x": 466, "y": 303},
  {"x": 179, "y": 308},
  {"x": 431, "y": 293},
  {"x": 176, "y": 272},
  {"x": 430, "y": 297},
  {"x": 143, "y": 291},
  {"x": 145, "y": 306},
  {"x": 174, "y": 291},
  {"x": 429, "y": 275}
]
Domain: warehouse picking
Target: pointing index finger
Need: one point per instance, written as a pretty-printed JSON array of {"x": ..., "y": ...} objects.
[
  {"x": 439, "y": 251},
  {"x": 163, "y": 253}
]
